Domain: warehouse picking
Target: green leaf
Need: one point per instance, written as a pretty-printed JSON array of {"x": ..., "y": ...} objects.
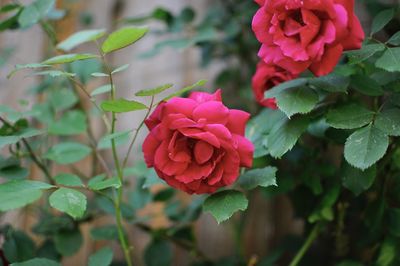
[
  {"x": 62, "y": 99},
  {"x": 367, "y": 51},
  {"x": 120, "y": 69},
  {"x": 101, "y": 90},
  {"x": 69, "y": 201},
  {"x": 349, "y": 117},
  {"x": 366, "y": 85},
  {"x": 122, "y": 38},
  {"x": 164, "y": 195},
  {"x": 388, "y": 252},
  {"x": 258, "y": 177},
  {"x": 349, "y": 263},
  {"x": 100, "y": 184},
  {"x": 69, "y": 242},
  {"x": 122, "y": 106},
  {"x": 19, "y": 193},
  {"x": 102, "y": 257},
  {"x": 27, "y": 66},
  {"x": 69, "y": 180},
  {"x": 331, "y": 83},
  {"x": 394, "y": 222},
  {"x": 275, "y": 91},
  {"x": 34, "y": 12},
  {"x": 10, "y": 22},
  {"x": 222, "y": 205},
  {"x": 85, "y": 68},
  {"x": 79, "y": 38},
  {"x": 381, "y": 20},
  {"x": 395, "y": 39},
  {"x": 71, "y": 123},
  {"x": 120, "y": 138},
  {"x": 37, "y": 262},
  {"x": 389, "y": 121},
  {"x": 54, "y": 73},
  {"x": 297, "y": 100},
  {"x": 9, "y": 7},
  {"x": 186, "y": 89},
  {"x": 67, "y": 58},
  {"x": 17, "y": 245},
  {"x": 158, "y": 253},
  {"x": 13, "y": 170},
  {"x": 365, "y": 147},
  {"x": 357, "y": 180},
  {"x": 68, "y": 152},
  {"x": 390, "y": 60},
  {"x": 154, "y": 91},
  {"x": 24, "y": 134},
  {"x": 260, "y": 126},
  {"x": 285, "y": 134},
  {"x": 98, "y": 74},
  {"x": 8, "y": 140},
  {"x": 324, "y": 211},
  {"x": 107, "y": 232}
]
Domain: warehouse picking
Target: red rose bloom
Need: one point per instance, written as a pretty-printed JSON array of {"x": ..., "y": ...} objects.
[
  {"x": 267, "y": 77},
  {"x": 306, "y": 34},
  {"x": 197, "y": 144}
]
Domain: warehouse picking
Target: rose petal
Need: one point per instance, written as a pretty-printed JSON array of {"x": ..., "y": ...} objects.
[
  {"x": 216, "y": 175},
  {"x": 261, "y": 23},
  {"x": 310, "y": 31},
  {"x": 194, "y": 172},
  {"x": 328, "y": 62},
  {"x": 213, "y": 112},
  {"x": 220, "y": 131},
  {"x": 201, "y": 135},
  {"x": 202, "y": 97},
  {"x": 356, "y": 36},
  {"x": 173, "y": 182},
  {"x": 245, "y": 149},
  {"x": 203, "y": 152},
  {"x": 149, "y": 147},
  {"x": 154, "y": 118},
  {"x": 179, "y": 105},
  {"x": 178, "y": 150},
  {"x": 237, "y": 121}
]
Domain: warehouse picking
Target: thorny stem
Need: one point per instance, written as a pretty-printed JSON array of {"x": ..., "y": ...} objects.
[
  {"x": 306, "y": 246},
  {"x": 31, "y": 153},
  {"x": 137, "y": 133}
]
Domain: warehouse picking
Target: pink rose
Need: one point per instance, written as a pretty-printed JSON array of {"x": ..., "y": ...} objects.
[
  {"x": 306, "y": 34},
  {"x": 197, "y": 144},
  {"x": 267, "y": 77}
]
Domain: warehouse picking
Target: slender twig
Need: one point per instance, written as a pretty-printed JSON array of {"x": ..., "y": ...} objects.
[
  {"x": 92, "y": 139},
  {"x": 118, "y": 200},
  {"x": 306, "y": 246},
  {"x": 137, "y": 133},
  {"x": 31, "y": 153},
  {"x": 82, "y": 88}
]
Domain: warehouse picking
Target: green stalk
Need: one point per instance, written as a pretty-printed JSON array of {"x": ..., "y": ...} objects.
[
  {"x": 306, "y": 246},
  {"x": 118, "y": 199}
]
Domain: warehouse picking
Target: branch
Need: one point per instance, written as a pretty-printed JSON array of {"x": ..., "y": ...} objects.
[{"x": 31, "y": 153}]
